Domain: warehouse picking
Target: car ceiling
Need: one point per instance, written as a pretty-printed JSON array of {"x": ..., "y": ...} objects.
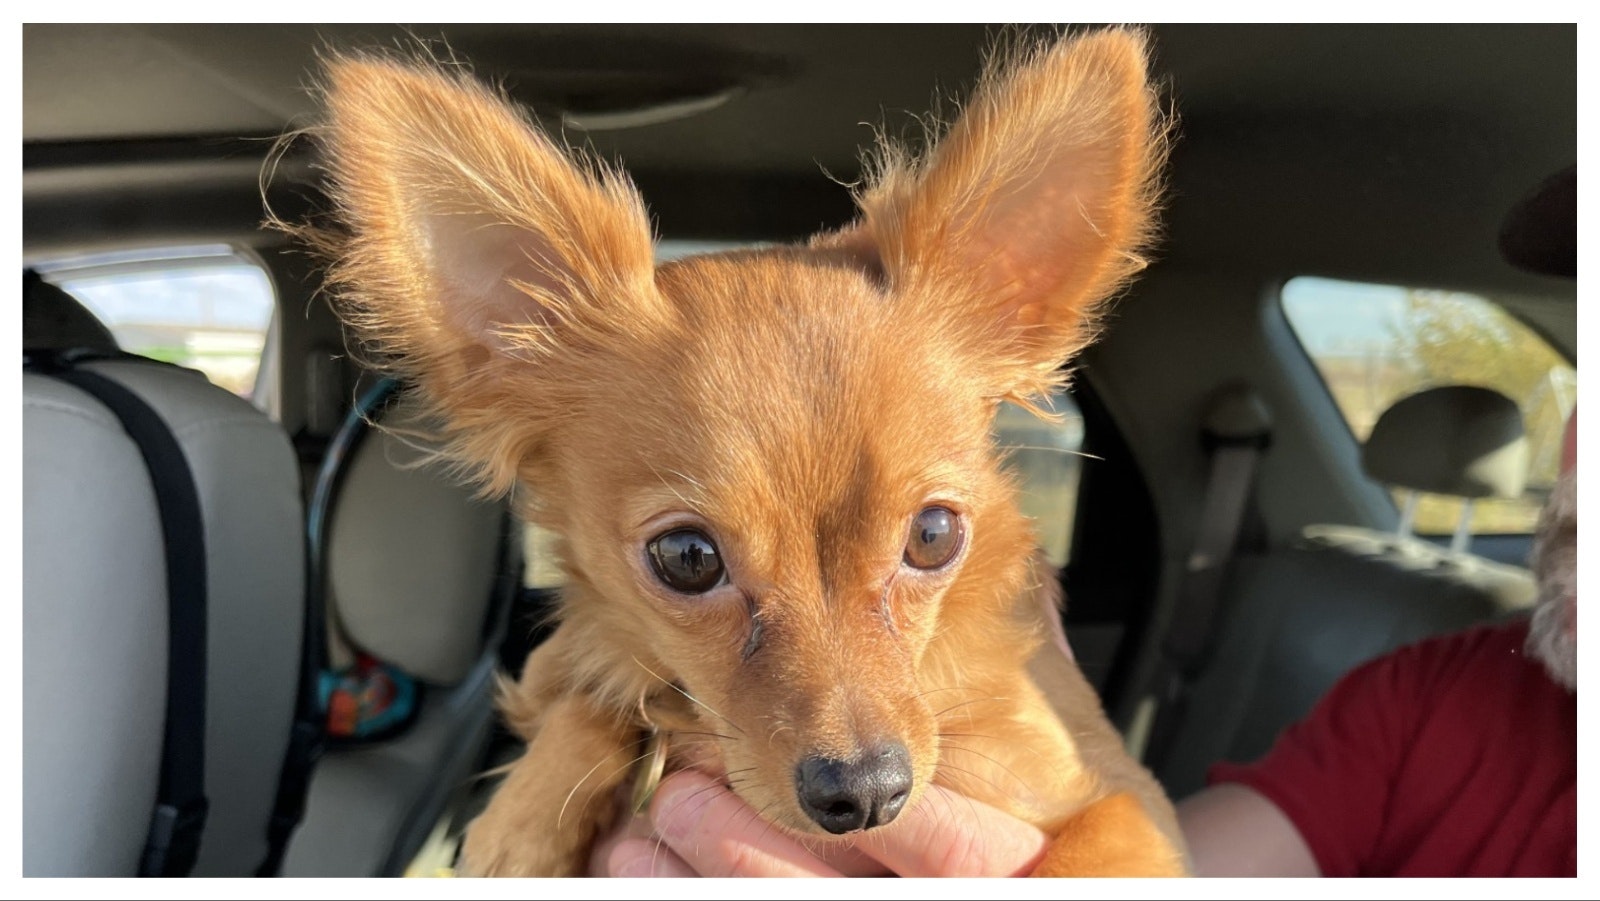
[{"x": 1383, "y": 152}]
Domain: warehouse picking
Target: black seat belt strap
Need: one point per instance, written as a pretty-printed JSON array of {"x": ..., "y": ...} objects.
[{"x": 173, "y": 843}]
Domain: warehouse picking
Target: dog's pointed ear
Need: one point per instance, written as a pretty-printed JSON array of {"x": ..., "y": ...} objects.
[
  {"x": 471, "y": 248},
  {"x": 1033, "y": 208}
]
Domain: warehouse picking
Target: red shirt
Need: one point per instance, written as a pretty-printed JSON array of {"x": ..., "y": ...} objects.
[{"x": 1456, "y": 756}]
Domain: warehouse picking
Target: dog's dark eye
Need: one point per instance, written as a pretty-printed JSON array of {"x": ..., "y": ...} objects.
[
  {"x": 685, "y": 560},
  {"x": 935, "y": 537}
]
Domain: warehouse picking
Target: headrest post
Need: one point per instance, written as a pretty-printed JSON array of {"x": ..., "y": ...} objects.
[
  {"x": 1408, "y": 515},
  {"x": 1463, "y": 536}
]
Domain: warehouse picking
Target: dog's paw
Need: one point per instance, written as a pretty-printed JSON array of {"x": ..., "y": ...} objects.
[
  {"x": 1114, "y": 836},
  {"x": 489, "y": 851}
]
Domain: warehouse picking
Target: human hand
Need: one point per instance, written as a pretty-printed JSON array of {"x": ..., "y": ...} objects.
[{"x": 698, "y": 827}]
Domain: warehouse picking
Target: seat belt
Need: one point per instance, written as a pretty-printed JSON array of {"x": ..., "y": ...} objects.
[
  {"x": 306, "y": 742},
  {"x": 309, "y": 738},
  {"x": 173, "y": 842},
  {"x": 1237, "y": 429}
]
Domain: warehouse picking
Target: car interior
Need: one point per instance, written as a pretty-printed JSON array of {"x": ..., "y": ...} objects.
[{"x": 1318, "y": 427}]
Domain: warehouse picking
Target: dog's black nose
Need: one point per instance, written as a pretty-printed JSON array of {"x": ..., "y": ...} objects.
[{"x": 849, "y": 795}]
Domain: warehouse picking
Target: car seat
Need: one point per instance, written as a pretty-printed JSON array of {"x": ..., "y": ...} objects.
[
  {"x": 95, "y": 606},
  {"x": 416, "y": 574},
  {"x": 1294, "y": 619}
]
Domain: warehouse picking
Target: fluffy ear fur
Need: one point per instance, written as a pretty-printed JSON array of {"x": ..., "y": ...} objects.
[
  {"x": 475, "y": 250},
  {"x": 1032, "y": 210}
]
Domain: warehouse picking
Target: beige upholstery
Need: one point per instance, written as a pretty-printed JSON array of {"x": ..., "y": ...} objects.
[
  {"x": 418, "y": 575},
  {"x": 412, "y": 557},
  {"x": 372, "y": 806},
  {"x": 94, "y": 639},
  {"x": 95, "y": 619}
]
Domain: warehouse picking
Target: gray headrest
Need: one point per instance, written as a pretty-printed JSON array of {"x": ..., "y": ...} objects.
[
  {"x": 53, "y": 320},
  {"x": 1457, "y": 440},
  {"x": 412, "y": 554}
]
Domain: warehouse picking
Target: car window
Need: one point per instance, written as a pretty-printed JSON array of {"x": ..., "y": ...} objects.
[
  {"x": 1047, "y": 458},
  {"x": 207, "y": 308},
  {"x": 1375, "y": 344}
]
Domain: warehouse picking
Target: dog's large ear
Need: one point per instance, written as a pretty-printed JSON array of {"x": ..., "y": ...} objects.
[
  {"x": 1033, "y": 208},
  {"x": 472, "y": 251}
]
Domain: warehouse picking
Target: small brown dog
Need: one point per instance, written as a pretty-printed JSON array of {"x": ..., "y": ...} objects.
[{"x": 788, "y": 539}]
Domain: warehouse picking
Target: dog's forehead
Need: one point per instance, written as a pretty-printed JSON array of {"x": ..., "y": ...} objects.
[
  {"x": 760, "y": 291},
  {"x": 775, "y": 333},
  {"x": 797, "y": 371}
]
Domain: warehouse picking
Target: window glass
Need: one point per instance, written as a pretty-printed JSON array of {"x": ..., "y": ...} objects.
[
  {"x": 207, "y": 308},
  {"x": 1375, "y": 344},
  {"x": 1047, "y": 459}
]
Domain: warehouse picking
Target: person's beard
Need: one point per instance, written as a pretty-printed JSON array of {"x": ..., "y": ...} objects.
[{"x": 1553, "y": 631}]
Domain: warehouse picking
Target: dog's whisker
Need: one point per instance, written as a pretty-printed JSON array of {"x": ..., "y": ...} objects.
[
  {"x": 767, "y": 825},
  {"x": 494, "y": 771},
  {"x": 952, "y": 797},
  {"x": 672, "y": 488},
  {"x": 981, "y": 700},
  {"x": 776, "y": 730},
  {"x": 1010, "y": 742},
  {"x": 933, "y": 691},
  {"x": 698, "y": 792},
  {"x": 925, "y": 808},
  {"x": 1021, "y": 782},
  {"x": 1055, "y": 450},
  {"x": 732, "y": 782},
  {"x": 692, "y": 698},
  {"x": 561, "y": 815},
  {"x": 687, "y": 478},
  {"x": 972, "y": 775},
  {"x": 655, "y": 856},
  {"x": 754, "y": 816},
  {"x": 678, "y": 732},
  {"x": 692, "y": 742}
]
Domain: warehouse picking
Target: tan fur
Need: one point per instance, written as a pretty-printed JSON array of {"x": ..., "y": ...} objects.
[
  {"x": 1110, "y": 837},
  {"x": 799, "y": 404}
]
